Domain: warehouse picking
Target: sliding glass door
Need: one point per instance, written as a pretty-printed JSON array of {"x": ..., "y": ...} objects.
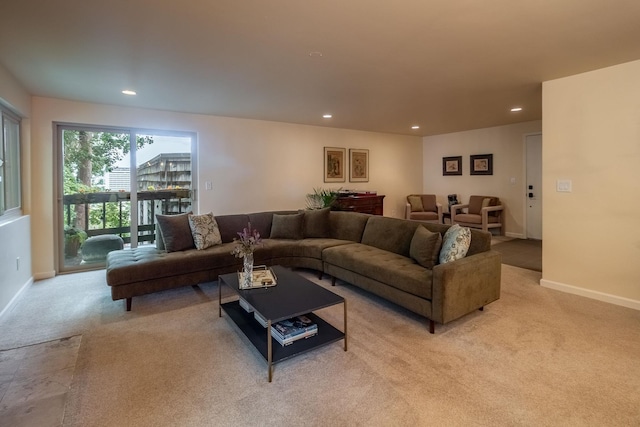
[{"x": 112, "y": 183}]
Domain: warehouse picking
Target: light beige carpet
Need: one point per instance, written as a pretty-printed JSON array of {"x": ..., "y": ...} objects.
[{"x": 534, "y": 357}]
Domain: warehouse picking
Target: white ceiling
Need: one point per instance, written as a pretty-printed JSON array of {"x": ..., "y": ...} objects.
[{"x": 382, "y": 66}]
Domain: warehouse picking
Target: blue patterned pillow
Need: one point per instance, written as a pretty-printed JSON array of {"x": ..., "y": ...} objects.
[{"x": 455, "y": 243}]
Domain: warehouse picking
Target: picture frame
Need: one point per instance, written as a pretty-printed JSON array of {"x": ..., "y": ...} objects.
[
  {"x": 335, "y": 168},
  {"x": 452, "y": 166},
  {"x": 481, "y": 164},
  {"x": 358, "y": 165}
]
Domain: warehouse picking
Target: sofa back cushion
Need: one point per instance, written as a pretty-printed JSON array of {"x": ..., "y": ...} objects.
[
  {"x": 316, "y": 223},
  {"x": 390, "y": 234},
  {"x": 347, "y": 225},
  {"x": 230, "y": 225}
]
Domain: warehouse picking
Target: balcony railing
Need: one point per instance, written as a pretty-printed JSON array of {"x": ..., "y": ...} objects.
[{"x": 171, "y": 201}]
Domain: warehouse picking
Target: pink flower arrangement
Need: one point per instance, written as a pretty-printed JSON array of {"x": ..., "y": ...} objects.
[{"x": 247, "y": 242}]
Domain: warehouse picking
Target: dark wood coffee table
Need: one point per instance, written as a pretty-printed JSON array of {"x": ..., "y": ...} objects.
[{"x": 292, "y": 296}]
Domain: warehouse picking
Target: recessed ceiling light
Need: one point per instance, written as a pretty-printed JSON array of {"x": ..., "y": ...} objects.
[
  {"x": 415, "y": 127},
  {"x": 516, "y": 109},
  {"x": 327, "y": 116},
  {"x": 129, "y": 92}
]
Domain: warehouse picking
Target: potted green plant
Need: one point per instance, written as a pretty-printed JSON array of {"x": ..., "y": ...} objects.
[
  {"x": 73, "y": 238},
  {"x": 322, "y": 198}
]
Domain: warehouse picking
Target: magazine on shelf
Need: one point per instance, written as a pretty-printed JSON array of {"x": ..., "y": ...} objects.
[
  {"x": 247, "y": 307},
  {"x": 294, "y": 326},
  {"x": 286, "y": 341},
  {"x": 263, "y": 277}
]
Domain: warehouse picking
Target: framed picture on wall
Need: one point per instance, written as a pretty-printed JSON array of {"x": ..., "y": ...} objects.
[
  {"x": 482, "y": 164},
  {"x": 335, "y": 164},
  {"x": 452, "y": 165},
  {"x": 358, "y": 165}
]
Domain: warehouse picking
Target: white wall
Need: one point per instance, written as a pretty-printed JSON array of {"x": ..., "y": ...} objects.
[
  {"x": 253, "y": 165},
  {"x": 506, "y": 143},
  {"x": 15, "y": 275},
  {"x": 591, "y": 236}
]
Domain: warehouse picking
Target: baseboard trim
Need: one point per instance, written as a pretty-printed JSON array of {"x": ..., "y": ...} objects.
[
  {"x": 515, "y": 235},
  {"x": 16, "y": 297},
  {"x": 600, "y": 296},
  {"x": 45, "y": 275}
]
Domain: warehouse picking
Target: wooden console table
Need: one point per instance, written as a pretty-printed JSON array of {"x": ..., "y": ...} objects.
[{"x": 364, "y": 203}]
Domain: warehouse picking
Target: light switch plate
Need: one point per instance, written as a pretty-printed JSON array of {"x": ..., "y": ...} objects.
[{"x": 563, "y": 185}]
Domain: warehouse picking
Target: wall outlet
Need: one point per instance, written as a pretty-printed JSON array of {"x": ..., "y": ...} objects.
[{"x": 208, "y": 185}]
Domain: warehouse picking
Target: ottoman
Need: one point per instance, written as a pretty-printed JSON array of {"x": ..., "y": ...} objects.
[{"x": 96, "y": 248}]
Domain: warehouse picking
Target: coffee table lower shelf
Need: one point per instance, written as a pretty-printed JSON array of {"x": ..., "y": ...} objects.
[{"x": 257, "y": 334}]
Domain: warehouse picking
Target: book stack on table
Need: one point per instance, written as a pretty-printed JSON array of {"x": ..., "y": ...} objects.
[{"x": 291, "y": 330}]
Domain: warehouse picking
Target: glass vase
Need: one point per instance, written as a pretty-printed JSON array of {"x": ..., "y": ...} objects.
[{"x": 247, "y": 269}]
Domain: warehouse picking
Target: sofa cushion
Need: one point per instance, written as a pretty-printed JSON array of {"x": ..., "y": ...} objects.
[
  {"x": 231, "y": 225},
  {"x": 391, "y": 234},
  {"x": 382, "y": 266},
  {"x": 287, "y": 226},
  {"x": 204, "y": 230},
  {"x": 347, "y": 225},
  {"x": 455, "y": 243},
  {"x": 176, "y": 232},
  {"x": 425, "y": 247},
  {"x": 416, "y": 203},
  {"x": 316, "y": 223}
]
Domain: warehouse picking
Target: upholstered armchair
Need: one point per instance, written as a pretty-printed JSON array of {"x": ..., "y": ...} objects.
[
  {"x": 423, "y": 207},
  {"x": 483, "y": 212}
]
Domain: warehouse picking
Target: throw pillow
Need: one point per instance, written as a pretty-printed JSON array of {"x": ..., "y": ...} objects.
[
  {"x": 416, "y": 203},
  {"x": 204, "y": 230},
  {"x": 316, "y": 223},
  {"x": 159, "y": 239},
  {"x": 425, "y": 247},
  {"x": 287, "y": 226},
  {"x": 455, "y": 243},
  {"x": 176, "y": 232}
]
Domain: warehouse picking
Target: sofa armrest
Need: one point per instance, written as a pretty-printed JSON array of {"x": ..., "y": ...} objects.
[{"x": 465, "y": 285}]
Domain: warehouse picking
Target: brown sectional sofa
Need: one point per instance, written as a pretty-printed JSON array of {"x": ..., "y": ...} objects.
[{"x": 371, "y": 252}]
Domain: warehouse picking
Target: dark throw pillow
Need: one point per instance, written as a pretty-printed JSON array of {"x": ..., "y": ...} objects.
[
  {"x": 425, "y": 247},
  {"x": 316, "y": 223},
  {"x": 176, "y": 232},
  {"x": 287, "y": 226}
]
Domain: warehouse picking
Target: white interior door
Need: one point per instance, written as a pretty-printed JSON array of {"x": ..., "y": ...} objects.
[{"x": 533, "y": 148}]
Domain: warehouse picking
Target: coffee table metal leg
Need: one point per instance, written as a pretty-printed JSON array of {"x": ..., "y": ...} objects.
[
  {"x": 219, "y": 297},
  {"x": 345, "y": 324},
  {"x": 269, "y": 357}
]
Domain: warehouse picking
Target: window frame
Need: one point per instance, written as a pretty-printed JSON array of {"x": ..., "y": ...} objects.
[{"x": 10, "y": 180}]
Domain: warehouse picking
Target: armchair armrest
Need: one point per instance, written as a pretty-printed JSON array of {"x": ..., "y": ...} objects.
[
  {"x": 439, "y": 210},
  {"x": 485, "y": 212},
  {"x": 407, "y": 210},
  {"x": 454, "y": 210},
  {"x": 465, "y": 285}
]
